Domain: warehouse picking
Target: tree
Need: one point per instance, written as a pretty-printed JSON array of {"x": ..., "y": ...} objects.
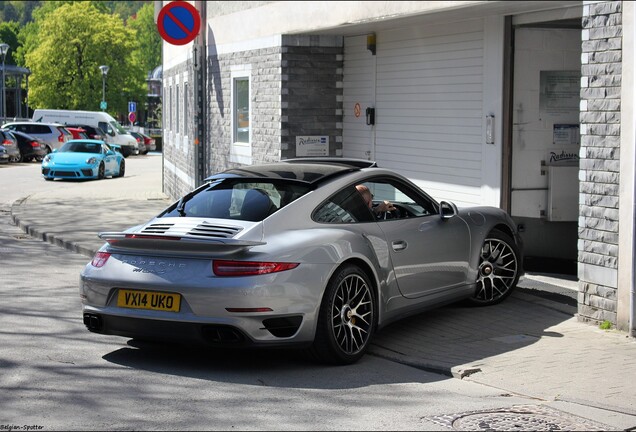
[
  {"x": 9, "y": 35},
  {"x": 148, "y": 53},
  {"x": 74, "y": 40}
]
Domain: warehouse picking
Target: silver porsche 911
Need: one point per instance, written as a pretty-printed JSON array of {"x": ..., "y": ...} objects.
[{"x": 318, "y": 253}]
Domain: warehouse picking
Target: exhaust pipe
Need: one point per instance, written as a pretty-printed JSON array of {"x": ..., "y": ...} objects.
[{"x": 93, "y": 322}]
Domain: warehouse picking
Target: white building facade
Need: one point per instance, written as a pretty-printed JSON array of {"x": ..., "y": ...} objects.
[{"x": 523, "y": 105}]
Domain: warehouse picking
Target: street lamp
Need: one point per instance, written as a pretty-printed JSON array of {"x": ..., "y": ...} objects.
[
  {"x": 104, "y": 70},
  {"x": 4, "y": 48}
]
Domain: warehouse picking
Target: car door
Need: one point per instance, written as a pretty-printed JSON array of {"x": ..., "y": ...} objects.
[
  {"x": 429, "y": 253},
  {"x": 110, "y": 160}
]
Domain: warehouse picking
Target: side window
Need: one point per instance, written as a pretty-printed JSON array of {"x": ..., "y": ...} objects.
[
  {"x": 347, "y": 206},
  {"x": 106, "y": 128},
  {"x": 407, "y": 202}
]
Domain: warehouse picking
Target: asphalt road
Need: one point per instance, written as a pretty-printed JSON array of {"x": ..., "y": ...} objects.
[{"x": 58, "y": 376}]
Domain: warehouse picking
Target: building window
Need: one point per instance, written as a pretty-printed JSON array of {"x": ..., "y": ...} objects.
[
  {"x": 185, "y": 108},
  {"x": 176, "y": 111},
  {"x": 241, "y": 113}
]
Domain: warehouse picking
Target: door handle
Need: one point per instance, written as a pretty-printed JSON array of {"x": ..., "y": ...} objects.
[{"x": 398, "y": 245}]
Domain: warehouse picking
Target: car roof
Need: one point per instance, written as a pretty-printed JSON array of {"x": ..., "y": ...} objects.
[
  {"x": 306, "y": 170},
  {"x": 85, "y": 140}
]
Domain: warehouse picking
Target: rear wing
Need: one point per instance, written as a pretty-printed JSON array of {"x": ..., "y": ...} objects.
[{"x": 174, "y": 244}]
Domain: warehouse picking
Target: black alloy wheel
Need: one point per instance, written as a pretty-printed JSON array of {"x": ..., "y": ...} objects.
[
  {"x": 101, "y": 171},
  {"x": 499, "y": 269},
  {"x": 347, "y": 317},
  {"x": 122, "y": 168}
]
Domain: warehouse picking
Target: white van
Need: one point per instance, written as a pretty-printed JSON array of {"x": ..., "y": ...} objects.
[{"x": 113, "y": 131}]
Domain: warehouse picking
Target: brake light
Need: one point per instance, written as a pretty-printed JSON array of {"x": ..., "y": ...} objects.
[
  {"x": 61, "y": 137},
  {"x": 35, "y": 144},
  {"x": 100, "y": 259},
  {"x": 6, "y": 142},
  {"x": 249, "y": 268}
]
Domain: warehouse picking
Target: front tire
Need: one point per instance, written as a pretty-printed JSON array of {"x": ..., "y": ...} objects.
[
  {"x": 347, "y": 318},
  {"x": 499, "y": 269},
  {"x": 122, "y": 168}
]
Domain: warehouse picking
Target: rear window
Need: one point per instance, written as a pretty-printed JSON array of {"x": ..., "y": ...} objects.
[{"x": 241, "y": 199}]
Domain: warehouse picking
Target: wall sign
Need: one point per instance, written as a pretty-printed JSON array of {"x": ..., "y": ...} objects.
[{"x": 312, "y": 145}]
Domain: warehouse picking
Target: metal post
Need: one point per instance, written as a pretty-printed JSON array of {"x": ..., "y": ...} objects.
[
  {"x": 104, "y": 70},
  {"x": 4, "y": 48}
]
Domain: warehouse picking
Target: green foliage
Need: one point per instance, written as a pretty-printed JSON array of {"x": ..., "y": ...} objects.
[
  {"x": 605, "y": 325},
  {"x": 9, "y": 35},
  {"x": 74, "y": 40},
  {"x": 148, "y": 52}
]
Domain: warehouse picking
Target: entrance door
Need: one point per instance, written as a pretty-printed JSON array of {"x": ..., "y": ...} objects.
[
  {"x": 545, "y": 139},
  {"x": 359, "y": 94}
]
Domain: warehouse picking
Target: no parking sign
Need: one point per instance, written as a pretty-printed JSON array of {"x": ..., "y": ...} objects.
[{"x": 179, "y": 23}]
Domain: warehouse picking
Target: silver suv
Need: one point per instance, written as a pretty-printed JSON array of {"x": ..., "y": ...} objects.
[{"x": 54, "y": 135}]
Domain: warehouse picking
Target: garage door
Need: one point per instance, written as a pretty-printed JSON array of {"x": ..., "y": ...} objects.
[{"x": 426, "y": 84}]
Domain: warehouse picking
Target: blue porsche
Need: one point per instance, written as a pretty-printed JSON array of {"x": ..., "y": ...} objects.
[{"x": 83, "y": 159}]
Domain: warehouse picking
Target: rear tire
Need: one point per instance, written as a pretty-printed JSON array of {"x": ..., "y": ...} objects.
[
  {"x": 122, "y": 168},
  {"x": 347, "y": 318},
  {"x": 101, "y": 171}
]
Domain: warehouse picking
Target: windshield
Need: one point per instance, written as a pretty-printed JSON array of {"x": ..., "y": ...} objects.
[
  {"x": 81, "y": 147},
  {"x": 118, "y": 128},
  {"x": 242, "y": 199}
]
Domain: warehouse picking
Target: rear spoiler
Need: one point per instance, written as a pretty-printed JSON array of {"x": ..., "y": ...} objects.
[{"x": 173, "y": 244}]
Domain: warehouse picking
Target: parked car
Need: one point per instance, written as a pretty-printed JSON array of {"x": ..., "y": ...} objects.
[
  {"x": 10, "y": 144},
  {"x": 290, "y": 253},
  {"x": 4, "y": 157},
  {"x": 149, "y": 141},
  {"x": 92, "y": 131},
  {"x": 30, "y": 147},
  {"x": 53, "y": 134},
  {"x": 77, "y": 133},
  {"x": 83, "y": 159},
  {"x": 140, "y": 142}
]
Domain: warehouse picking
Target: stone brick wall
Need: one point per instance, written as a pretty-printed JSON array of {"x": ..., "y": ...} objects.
[
  {"x": 296, "y": 89},
  {"x": 265, "y": 106},
  {"x": 599, "y": 164},
  {"x": 178, "y": 148},
  {"x": 312, "y": 91}
]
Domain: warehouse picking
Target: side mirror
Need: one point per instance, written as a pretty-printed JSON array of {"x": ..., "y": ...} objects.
[
  {"x": 110, "y": 152},
  {"x": 54, "y": 150},
  {"x": 447, "y": 209}
]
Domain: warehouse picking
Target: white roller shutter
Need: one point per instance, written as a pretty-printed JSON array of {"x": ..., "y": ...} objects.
[{"x": 429, "y": 106}]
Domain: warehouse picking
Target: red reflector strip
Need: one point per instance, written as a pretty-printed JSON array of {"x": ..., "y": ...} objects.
[
  {"x": 249, "y": 268},
  {"x": 243, "y": 310}
]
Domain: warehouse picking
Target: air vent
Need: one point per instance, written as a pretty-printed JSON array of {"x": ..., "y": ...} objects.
[
  {"x": 212, "y": 230},
  {"x": 157, "y": 228}
]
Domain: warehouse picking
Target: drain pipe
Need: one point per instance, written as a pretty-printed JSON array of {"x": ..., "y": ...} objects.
[{"x": 200, "y": 61}]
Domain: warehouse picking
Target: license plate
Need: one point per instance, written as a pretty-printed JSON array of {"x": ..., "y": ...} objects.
[{"x": 149, "y": 300}]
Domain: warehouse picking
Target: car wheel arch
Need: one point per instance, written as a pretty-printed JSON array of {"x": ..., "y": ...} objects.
[{"x": 367, "y": 268}]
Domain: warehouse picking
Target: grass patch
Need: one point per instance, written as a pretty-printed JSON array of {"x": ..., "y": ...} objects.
[{"x": 605, "y": 325}]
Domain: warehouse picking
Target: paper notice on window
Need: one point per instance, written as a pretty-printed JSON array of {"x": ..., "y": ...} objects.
[
  {"x": 560, "y": 92},
  {"x": 565, "y": 135}
]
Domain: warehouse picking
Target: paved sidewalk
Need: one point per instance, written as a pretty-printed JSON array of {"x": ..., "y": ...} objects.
[{"x": 532, "y": 344}]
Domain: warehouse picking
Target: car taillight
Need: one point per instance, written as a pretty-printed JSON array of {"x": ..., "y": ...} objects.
[
  {"x": 35, "y": 144},
  {"x": 100, "y": 259},
  {"x": 249, "y": 268},
  {"x": 7, "y": 142},
  {"x": 61, "y": 138}
]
